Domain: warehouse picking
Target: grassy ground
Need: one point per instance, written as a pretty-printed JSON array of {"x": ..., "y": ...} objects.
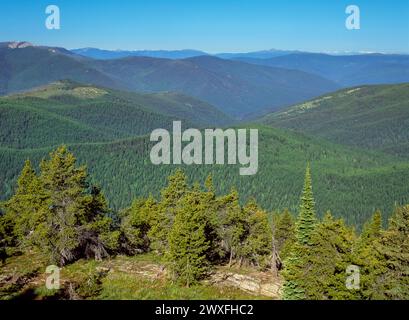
[{"x": 121, "y": 278}]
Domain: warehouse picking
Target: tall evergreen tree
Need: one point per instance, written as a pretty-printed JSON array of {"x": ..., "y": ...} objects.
[
  {"x": 187, "y": 240},
  {"x": 306, "y": 219},
  {"x": 295, "y": 263},
  {"x": 163, "y": 220}
]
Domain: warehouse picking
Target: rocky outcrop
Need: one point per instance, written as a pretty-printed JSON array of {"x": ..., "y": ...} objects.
[
  {"x": 257, "y": 284},
  {"x": 150, "y": 271}
]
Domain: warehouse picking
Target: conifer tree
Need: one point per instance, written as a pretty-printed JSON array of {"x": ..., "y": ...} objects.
[
  {"x": 306, "y": 219},
  {"x": 163, "y": 220},
  {"x": 233, "y": 225},
  {"x": 135, "y": 224},
  {"x": 324, "y": 272},
  {"x": 284, "y": 232},
  {"x": 175, "y": 190},
  {"x": 187, "y": 240},
  {"x": 372, "y": 229},
  {"x": 68, "y": 219},
  {"x": 24, "y": 208},
  {"x": 64, "y": 184},
  {"x": 295, "y": 263},
  {"x": 7, "y": 238},
  {"x": 394, "y": 248},
  {"x": 367, "y": 258},
  {"x": 212, "y": 221},
  {"x": 257, "y": 247},
  {"x": 293, "y": 272},
  {"x": 100, "y": 231}
]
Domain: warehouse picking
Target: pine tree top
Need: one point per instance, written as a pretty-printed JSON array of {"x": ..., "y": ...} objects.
[
  {"x": 26, "y": 179},
  {"x": 306, "y": 220}
]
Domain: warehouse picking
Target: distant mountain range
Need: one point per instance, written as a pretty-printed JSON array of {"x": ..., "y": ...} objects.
[
  {"x": 95, "y": 53},
  {"x": 348, "y": 70},
  {"x": 235, "y": 87},
  {"x": 102, "y": 54},
  {"x": 239, "y": 85}
]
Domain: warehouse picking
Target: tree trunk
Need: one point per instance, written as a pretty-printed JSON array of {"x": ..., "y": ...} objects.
[
  {"x": 231, "y": 258},
  {"x": 275, "y": 260}
]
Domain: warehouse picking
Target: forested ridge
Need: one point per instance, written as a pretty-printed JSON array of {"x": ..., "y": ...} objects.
[
  {"x": 370, "y": 117},
  {"x": 59, "y": 211},
  {"x": 68, "y": 112}
]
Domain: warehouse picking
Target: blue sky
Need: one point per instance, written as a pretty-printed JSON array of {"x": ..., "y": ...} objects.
[{"x": 211, "y": 25}]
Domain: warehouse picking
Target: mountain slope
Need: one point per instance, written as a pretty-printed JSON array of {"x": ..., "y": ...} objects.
[
  {"x": 236, "y": 88},
  {"x": 180, "y": 106},
  {"x": 23, "y": 68},
  {"x": 67, "y": 112},
  {"x": 344, "y": 70},
  {"x": 370, "y": 116}
]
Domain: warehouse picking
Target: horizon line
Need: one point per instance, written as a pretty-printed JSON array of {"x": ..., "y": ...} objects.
[{"x": 329, "y": 52}]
